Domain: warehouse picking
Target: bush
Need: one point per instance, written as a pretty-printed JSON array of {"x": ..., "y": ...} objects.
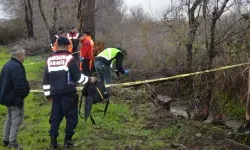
[
  {"x": 11, "y": 30},
  {"x": 33, "y": 46}
]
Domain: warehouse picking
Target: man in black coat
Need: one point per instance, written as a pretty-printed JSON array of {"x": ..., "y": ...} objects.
[{"x": 14, "y": 88}]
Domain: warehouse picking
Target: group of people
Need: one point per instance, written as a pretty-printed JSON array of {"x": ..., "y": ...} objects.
[
  {"x": 81, "y": 47},
  {"x": 64, "y": 70}
]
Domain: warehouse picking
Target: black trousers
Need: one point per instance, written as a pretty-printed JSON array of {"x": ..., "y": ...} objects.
[
  {"x": 87, "y": 67},
  {"x": 64, "y": 106}
]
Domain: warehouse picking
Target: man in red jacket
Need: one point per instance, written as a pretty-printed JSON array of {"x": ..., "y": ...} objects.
[{"x": 86, "y": 54}]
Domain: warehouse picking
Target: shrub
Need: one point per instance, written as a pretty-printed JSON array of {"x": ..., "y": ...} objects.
[
  {"x": 33, "y": 46},
  {"x": 11, "y": 30}
]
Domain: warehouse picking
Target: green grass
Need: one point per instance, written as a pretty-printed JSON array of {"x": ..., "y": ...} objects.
[
  {"x": 33, "y": 71},
  {"x": 4, "y": 56},
  {"x": 107, "y": 134},
  {"x": 33, "y": 65}
]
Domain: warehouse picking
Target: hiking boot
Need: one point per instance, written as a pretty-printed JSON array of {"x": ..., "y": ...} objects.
[
  {"x": 53, "y": 143},
  {"x": 5, "y": 143},
  {"x": 68, "y": 141}
]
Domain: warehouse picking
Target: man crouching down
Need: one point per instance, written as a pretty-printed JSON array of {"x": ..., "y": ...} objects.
[{"x": 61, "y": 75}]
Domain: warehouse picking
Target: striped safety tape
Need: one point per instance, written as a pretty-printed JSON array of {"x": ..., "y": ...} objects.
[{"x": 160, "y": 79}]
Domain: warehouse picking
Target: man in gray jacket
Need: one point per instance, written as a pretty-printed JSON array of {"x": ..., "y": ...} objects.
[{"x": 14, "y": 88}]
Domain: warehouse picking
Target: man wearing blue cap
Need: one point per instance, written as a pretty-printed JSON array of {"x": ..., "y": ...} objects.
[{"x": 61, "y": 75}]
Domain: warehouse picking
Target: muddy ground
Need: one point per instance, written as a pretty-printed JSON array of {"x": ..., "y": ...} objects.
[
  {"x": 194, "y": 135},
  {"x": 186, "y": 133}
]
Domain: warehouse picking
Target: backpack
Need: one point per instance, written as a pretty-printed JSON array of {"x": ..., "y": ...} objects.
[{"x": 94, "y": 93}]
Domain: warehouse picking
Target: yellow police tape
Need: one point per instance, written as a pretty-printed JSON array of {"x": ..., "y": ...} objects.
[
  {"x": 33, "y": 63},
  {"x": 41, "y": 61},
  {"x": 30, "y": 63},
  {"x": 161, "y": 79}
]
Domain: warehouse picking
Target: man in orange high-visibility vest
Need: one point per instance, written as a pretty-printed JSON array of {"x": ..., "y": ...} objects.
[
  {"x": 73, "y": 35},
  {"x": 64, "y": 34}
]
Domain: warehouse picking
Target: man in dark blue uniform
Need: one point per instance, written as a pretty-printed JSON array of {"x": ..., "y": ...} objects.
[{"x": 61, "y": 75}]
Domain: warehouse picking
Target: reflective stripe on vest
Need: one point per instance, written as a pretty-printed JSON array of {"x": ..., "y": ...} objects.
[
  {"x": 73, "y": 37},
  {"x": 57, "y": 63}
]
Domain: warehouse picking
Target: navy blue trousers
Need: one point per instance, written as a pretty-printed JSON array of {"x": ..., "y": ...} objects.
[{"x": 64, "y": 106}]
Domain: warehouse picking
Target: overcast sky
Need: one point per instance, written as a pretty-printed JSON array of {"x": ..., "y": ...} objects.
[{"x": 153, "y": 7}]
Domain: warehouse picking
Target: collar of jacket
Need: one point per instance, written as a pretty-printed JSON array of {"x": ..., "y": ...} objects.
[
  {"x": 21, "y": 64},
  {"x": 62, "y": 52},
  {"x": 18, "y": 61}
]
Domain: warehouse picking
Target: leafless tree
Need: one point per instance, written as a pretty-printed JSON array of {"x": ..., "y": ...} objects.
[
  {"x": 193, "y": 25},
  {"x": 216, "y": 14},
  {"x": 137, "y": 13},
  {"x": 43, "y": 15},
  {"x": 55, "y": 7},
  {"x": 28, "y": 7}
]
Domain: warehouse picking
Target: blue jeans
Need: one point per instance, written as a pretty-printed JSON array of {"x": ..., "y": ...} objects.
[
  {"x": 64, "y": 106},
  {"x": 104, "y": 71}
]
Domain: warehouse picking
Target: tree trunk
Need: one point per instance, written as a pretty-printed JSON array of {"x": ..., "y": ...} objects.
[
  {"x": 193, "y": 24},
  {"x": 55, "y": 6},
  {"x": 205, "y": 2},
  {"x": 30, "y": 8},
  {"x": 211, "y": 50},
  {"x": 43, "y": 15},
  {"x": 248, "y": 100},
  {"x": 211, "y": 55},
  {"x": 86, "y": 16},
  {"x": 248, "y": 52},
  {"x": 216, "y": 14},
  {"x": 29, "y": 17}
]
